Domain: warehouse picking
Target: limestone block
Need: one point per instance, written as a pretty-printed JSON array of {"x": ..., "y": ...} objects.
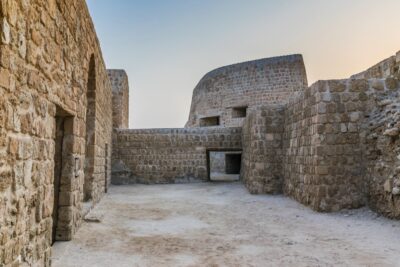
[
  {"x": 337, "y": 86},
  {"x": 269, "y": 137},
  {"x": 322, "y": 108},
  {"x": 396, "y": 191},
  {"x": 22, "y": 45},
  {"x": 5, "y": 175},
  {"x": 392, "y": 132},
  {"x": 354, "y": 116},
  {"x": 343, "y": 127},
  {"x": 358, "y": 85},
  {"x": 391, "y": 83},
  {"x": 5, "y": 32},
  {"x": 326, "y": 97},
  {"x": 5, "y": 78},
  {"x": 378, "y": 85}
]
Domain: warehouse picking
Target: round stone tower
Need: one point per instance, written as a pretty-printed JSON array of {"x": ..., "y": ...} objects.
[{"x": 224, "y": 96}]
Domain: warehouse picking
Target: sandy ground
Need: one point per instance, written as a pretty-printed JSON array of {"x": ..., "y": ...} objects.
[
  {"x": 223, "y": 177},
  {"x": 214, "y": 224}
]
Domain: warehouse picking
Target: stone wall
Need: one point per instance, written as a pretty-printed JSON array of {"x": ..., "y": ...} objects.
[
  {"x": 168, "y": 155},
  {"x": 266, "y": 81},
  {"x": 382, "y": 153},
  {"x": 333, "y": 146},
  {"x": 45, "y": 52},
  {"x": 120, "y": 99},
  {"x": 262, "y": 150},
  {"x": 387, "y": 68},
  {"x": 323, "y": 157},
  {"x": 340, "y": 145}
]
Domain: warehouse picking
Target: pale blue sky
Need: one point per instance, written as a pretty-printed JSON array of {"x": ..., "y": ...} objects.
[{"x": 166, "y": 46}]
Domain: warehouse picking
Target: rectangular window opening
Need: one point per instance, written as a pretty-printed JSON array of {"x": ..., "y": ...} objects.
[
  {"x": 210, "y": 121},
  {"x": 239, "y": 112}
]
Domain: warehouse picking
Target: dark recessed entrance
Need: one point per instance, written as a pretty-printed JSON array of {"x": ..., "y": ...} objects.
[
  {"x": 57, "y": 171},
  {"x": 224, "y": 165},
  {"x": 232, "y": 163},
  {"x": 239, "y": 112}
]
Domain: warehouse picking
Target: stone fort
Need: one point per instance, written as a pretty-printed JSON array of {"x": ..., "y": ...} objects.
[{"x": 64, "y": 139}]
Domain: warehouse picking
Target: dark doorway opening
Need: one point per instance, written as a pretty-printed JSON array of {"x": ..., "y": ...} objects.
[
  {"x": 90, "y": 132},
  {"x": 239, "y": 112},
  {"x": 232, "y": 163},
  {"x": 64, "y": 170},
  {"x": 106, "y": 169},
  {"x": 224, "y": 165},
  {"x": 58, "y": 163}
]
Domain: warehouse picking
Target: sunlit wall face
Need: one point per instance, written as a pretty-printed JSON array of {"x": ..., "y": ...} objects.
[{"x": 166, "y": 46}]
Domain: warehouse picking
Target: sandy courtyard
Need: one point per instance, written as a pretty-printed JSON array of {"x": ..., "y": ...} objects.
[{"x": 214, "y": 224}]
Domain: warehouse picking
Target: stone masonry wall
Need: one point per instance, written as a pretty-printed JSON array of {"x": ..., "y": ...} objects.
[
  {"x": 382, "y": 149},
  {"x": 168, "y": 155},
  {"x": 248, "y": 84},
  {"x": 322, "y": 166},
  {"x": 334, "y": 158},
  {"x": 120, "y": 99},
  {"x": 340, "y": 143},
  {"x": 262, "y": 150},
  {"x": 45, "y": 50},
  {"x": 387, "y": 68}
]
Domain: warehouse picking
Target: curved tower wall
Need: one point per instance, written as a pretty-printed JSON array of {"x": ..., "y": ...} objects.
[{"x": 224, "y": 96}]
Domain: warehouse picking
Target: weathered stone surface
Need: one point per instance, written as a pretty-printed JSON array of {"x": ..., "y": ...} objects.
[
  {"x": 382, "y": 150},
  {"x": 46, "y": 47},
  {"x": 262, "y": 150},
  {"x": 168, "y": 155},
  {"x": 383, "y": 69},
  {"x": 5, "y": 32},
  {"x": 120, "y": 87},
  {"x": 392, "y": 132},
  {"x": 222, "y": 92}
]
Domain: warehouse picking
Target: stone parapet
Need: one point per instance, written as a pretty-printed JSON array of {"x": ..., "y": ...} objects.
[{"x": 120, "y": 99}]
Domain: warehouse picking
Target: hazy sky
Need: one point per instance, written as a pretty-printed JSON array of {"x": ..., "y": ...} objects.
[{"x": 166, "y": 46}]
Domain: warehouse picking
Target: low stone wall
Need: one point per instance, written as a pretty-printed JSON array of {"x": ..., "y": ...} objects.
[
  {"x": 168, "y": 155},
  {"x": 262, "y": 150}
]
